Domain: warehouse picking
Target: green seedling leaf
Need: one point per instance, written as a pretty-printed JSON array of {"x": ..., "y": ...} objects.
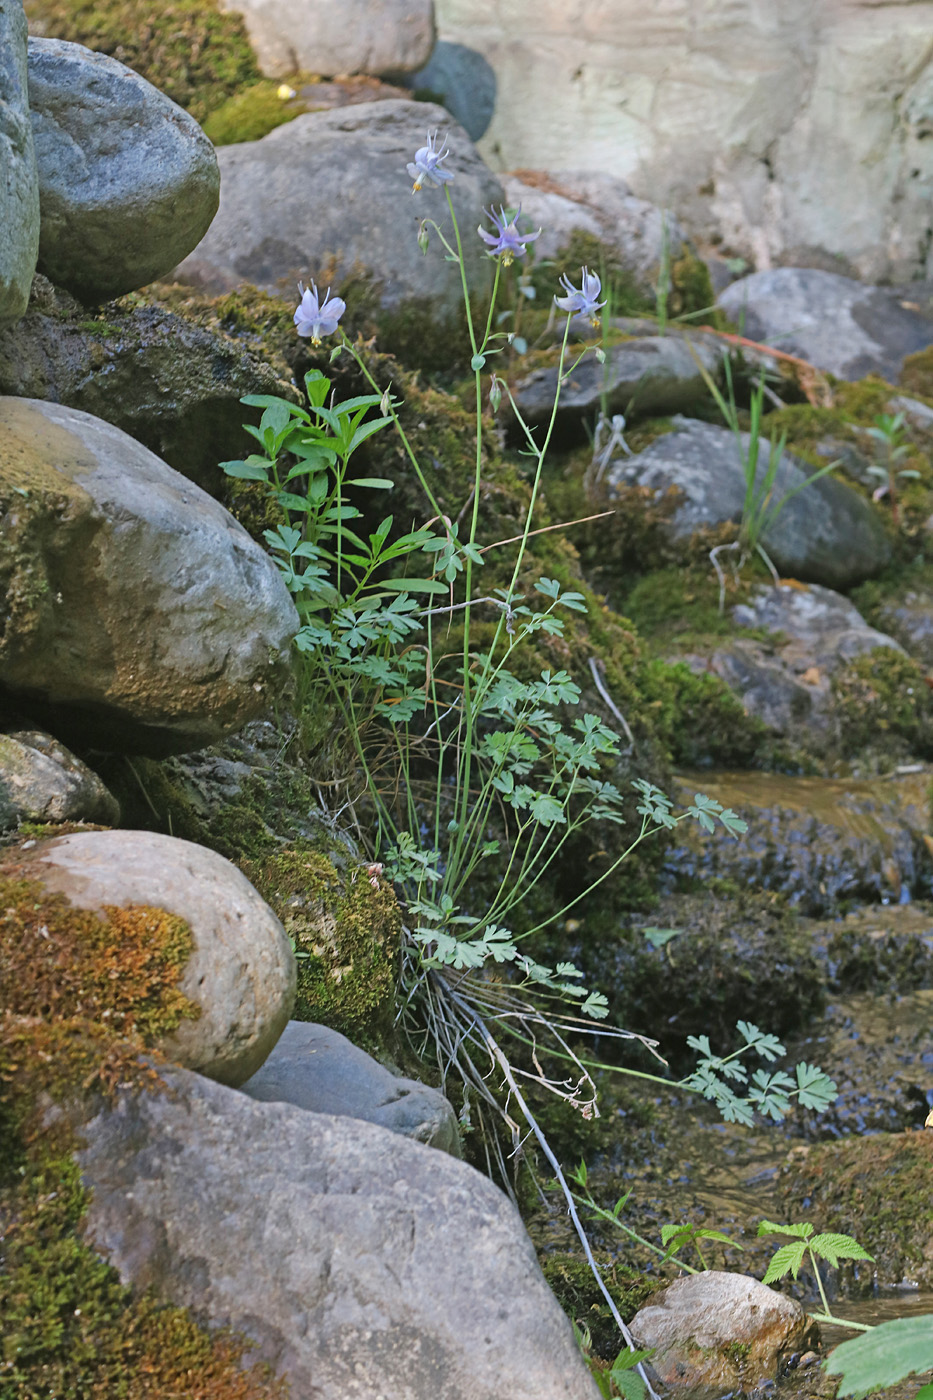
[
  {"x": 833, "y": 1247},
  {"x": 885, "y": 1355},
  {"x": 787, "y": 1260},
  {"x": 657, "y": 937}
]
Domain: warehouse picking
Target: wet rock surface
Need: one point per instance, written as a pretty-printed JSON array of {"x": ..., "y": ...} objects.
[
  {"x": 877, "y": 1186},
  {"x": 40, "y": 781},
  {"x": 128, "y": 181},
  {"x": 817, "y": 841},
  {"x": 341, "y": 1253},
  {"x": 826, "y": 533},
  {"x": 19, "y": 190},
  {"x": 138, "y": 612},
  {"x": 316, "y": 1068},
  {"x": 241, "y": 972}
]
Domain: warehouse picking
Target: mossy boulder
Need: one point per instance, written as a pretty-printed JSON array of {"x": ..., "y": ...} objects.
[
  {"x": 191, "y": 50},
  {"x": 84, "y": 995},
  {"x": 876, "y": 1188},
  {"x": 345, "y": 927}
]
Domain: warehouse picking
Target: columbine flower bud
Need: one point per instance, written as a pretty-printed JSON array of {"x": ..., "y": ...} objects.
[
  {"x": 423, "y": 235},
  {"x": 495, "y": 394}
]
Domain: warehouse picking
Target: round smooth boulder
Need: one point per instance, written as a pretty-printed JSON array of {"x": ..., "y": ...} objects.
[
  {"x": 135, "y": 613},
  {"x": 837, "y": 324},
  {"x": 128, "y": 182},
  {"x": 718, "y": 1329},
  {"x": 328, "y": 196},
  {"x": 356, "y": 36},
  {"x": 242, "y": 970}
]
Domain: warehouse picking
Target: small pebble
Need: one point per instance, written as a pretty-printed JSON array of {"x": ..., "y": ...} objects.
[{"x": 809, "y": 1358}]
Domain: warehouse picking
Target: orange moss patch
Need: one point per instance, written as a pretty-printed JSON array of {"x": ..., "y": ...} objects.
[{"x": 83, "y": 997}]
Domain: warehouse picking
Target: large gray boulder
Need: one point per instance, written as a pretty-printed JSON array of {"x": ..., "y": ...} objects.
[
  {"x": 716, "y": 1329},
  {"x": 19, "y": 182},
  {"x": 839, "y": 325},
  {"x": 643, "y": 377},
  {"x": 360, "y": 1263},
  {"x": 356, "y": 36},
  {"x": 328, "y": 195},
  {"x": 826, "y": 533},
  {"x": 318, "y": 1069},
  {"x": 136, "y": 613},
  {"x": 128, "y": 181},
  {"x": 241, "y": 973},
  {"x": 40, "y": 781}
]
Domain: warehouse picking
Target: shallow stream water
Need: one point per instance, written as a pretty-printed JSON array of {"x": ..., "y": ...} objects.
[{"x": 818, "y": 842}]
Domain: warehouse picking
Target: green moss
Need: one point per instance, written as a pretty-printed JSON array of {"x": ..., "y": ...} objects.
[
  {"x": 884, "y": 704},
  {"x": 876, "y": 1188},
  {"x": 692, "y": 289},
  {"x": 190, "y": 50},
  {"x": 702, "y": 721},
  {"x": 83, "y": 995},
  {"x": 251, "y": 114},
  {"x": 578, "y": 1293},
  {"x": 345, "y": 928},
  {"x": 916, "y": 376}
]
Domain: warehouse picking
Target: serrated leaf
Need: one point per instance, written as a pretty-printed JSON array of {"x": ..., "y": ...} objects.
[
  {"x": 833, "y": 1247},
  {"x": 885, "y": 1355},
  {"x": 786, "y": 1261},
  {"x": 799, "y": 1232}
]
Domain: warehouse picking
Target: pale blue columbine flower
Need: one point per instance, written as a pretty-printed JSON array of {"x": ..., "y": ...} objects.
[
  {"x": 426, "y": 165},
  {"x": 316, "y": 318},
  {"x": 506, "y": 243},
  {"x": 583, "y": 302}
]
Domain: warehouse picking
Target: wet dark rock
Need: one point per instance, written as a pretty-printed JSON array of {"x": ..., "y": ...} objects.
[
  {"x": 827, "y": 533},
  {"x": 878, "y": 1052},
  {"x": 128, "y": 181},
  {"x": 359, "y": 1262},
  {"x": 837, "y": 324},
  {"x": 173, "y": 386},
  {"x": 821, "y": 842},
  {"x": 741, "y": 956},
  {"x": 318, "y": 1069},
  {"x": 40, "y": 781},
  {"x": 880, "y": 949},
  {"x": 877, "y": 1189}
]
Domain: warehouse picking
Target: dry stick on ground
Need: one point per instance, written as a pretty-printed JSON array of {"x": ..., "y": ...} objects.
[{"x": 812, "y": 380}]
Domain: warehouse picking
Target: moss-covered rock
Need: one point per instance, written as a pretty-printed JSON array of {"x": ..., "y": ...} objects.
[
  {"x": 345, "y": 927},
  {"x": 251, "y": 114},
  {"x": 883, "y": 703},
  {"x": 877, "y": 1189},
  {"x": 578, "y": 1293},
  {"x": 189, "y": 49},
  {"x": 84, "y": 995}
]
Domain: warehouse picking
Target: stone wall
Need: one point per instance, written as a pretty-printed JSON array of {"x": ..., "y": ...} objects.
[{"x": 787, "y": 128}]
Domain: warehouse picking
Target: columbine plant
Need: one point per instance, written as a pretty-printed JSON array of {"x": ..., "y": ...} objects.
[{"x": 510, "y": 776}]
